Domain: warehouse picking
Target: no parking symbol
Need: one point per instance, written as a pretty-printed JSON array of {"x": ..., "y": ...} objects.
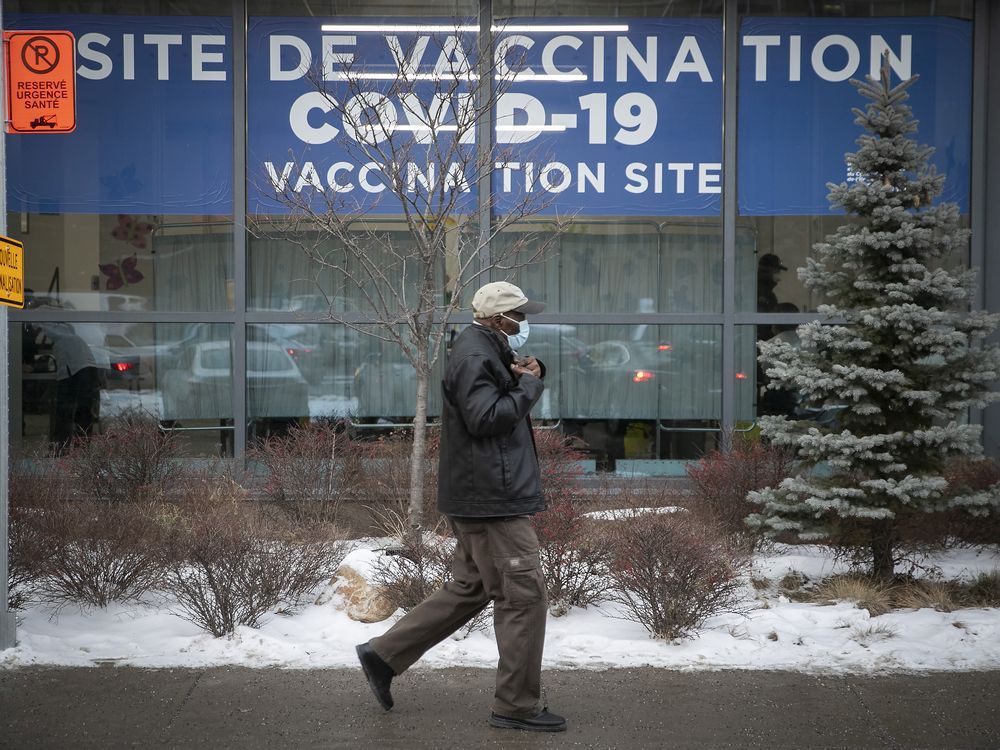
[{"x": 41, "y": 81}]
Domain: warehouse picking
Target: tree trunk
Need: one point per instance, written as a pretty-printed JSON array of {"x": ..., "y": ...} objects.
[
  {"x": 883, "y": 564},
  {"x": 416, "y": 510}
]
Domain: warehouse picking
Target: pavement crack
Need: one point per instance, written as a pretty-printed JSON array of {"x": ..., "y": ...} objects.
[
  {"x": 872, "y": 719},
  {"x": 183, "y": 701}
]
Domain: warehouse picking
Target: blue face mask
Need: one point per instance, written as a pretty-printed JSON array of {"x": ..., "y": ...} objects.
[{"x": 520, "y": 338}]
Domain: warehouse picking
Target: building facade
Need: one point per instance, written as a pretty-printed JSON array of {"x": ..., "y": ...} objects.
[{"x": 685, "y": 145}]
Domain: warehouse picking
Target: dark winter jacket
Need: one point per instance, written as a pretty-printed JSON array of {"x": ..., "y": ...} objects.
[{"x": 488, "y": 466}]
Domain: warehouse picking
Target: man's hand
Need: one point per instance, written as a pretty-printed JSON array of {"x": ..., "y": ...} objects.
[{"x": 528, "y": 365}]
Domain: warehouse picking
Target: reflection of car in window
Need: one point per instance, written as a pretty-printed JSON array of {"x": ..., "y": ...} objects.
[
  {"x": 201, "y": 387},
  {"x": 608, "y": 379}
]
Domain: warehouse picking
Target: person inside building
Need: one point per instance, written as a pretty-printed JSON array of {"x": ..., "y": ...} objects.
[
  {"x": 769, "y": 269},
  {"x": 489, "y": 487}
]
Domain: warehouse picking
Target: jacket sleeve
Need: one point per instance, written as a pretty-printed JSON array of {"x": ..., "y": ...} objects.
[{"x": 486, "y": 409}]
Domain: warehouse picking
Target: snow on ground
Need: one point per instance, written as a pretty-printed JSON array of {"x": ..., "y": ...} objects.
[
  {"x": 775, "y": 634},
  {"x": 617, "y": 515}
]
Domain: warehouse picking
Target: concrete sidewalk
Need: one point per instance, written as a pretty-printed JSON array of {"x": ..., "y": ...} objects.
[{"x": 111, "y": 707}]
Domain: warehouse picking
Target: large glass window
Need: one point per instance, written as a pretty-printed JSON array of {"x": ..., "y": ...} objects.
[
  {"x": 611, "y": 129},
  {"x": 641, "y": 391},
  {"x": 76, "y": 374},
  {"x": 126, "y": 263},
  {"x": 626, "y": 266}
]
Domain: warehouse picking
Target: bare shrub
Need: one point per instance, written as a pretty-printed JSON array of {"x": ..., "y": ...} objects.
[
  {"x": 920, "y": 532},
  {"x": 310, "y": 470},
  {"x": 132, "y": 460},
  {"x": 559, "y": 464},
  {"x": 38, "y": 478},
  {"x": 28, "y": 553},
  {"x": 415, "y": 569},
  {"x": 36, "y": 481},
  {"x": 229, "y": 563},
  {"x": 631, "y": 493},
  {"x": 865, "y": 593},
  {"x": 672, "y": 572},
  {"x": 972, "y": 474},
  {"x": 967, "y": 476},
  {"x": 722, "y": 479},
  {"x": 575, "y": 554},
  {"x": 383, "y": 486},
  {"x": 96, "y": 553}
]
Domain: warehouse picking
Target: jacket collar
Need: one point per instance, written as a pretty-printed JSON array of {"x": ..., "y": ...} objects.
[{"x": 498, "y": 341}]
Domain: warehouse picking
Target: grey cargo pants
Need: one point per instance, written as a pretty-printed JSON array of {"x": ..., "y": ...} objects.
[{"x": 494, "y": 560}]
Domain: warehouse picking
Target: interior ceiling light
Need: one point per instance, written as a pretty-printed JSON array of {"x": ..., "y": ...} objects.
[{"x": 381, "y": 28}]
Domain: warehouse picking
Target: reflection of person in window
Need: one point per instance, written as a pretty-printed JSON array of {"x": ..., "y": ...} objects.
[
  {"x": 78, "y": 384},
  {"x": 646, "y": 305},
  {"x": 686, "y": 278},
  {"x": 769, "y": 268}
]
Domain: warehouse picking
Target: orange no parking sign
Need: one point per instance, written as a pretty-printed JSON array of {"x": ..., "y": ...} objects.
[{"x": 40, "y": 69}]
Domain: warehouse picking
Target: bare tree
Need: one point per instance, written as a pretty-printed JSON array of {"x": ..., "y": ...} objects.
[{"x": 425, "y": 138}]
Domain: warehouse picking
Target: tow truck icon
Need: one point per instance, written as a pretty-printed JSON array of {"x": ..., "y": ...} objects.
[{"x": 44, "y": 121}]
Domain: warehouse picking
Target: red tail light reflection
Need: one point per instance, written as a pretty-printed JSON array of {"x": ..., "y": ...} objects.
[
  {"x": 122, "y": 366},
  {"x": 641, "y": 376}
]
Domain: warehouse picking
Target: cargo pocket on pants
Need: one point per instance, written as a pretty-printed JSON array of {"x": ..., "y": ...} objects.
[{"x": 523, "y": 582}]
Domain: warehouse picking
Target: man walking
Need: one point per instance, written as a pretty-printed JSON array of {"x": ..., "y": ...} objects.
[{"x": 489, "y": 486}]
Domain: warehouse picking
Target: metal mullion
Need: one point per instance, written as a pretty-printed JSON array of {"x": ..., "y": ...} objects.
[
  {"x": 631, "y": 319},
  {"x": 749, "y": 318},
  {"x": 102, "y": 316},
  {"x": 239, "y": 333},
  {"x": 990, "y": 18},
  {"x": 8, "y": 623},
  {"x": 484, "y": 138},
  {"x": 730, "y": 36},
  {"x": 977, "y": 198},
  {"x": 276, "y": 317}
]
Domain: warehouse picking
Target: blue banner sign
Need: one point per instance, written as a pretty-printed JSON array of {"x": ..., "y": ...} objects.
[
  {"x": 591, "y": 116},
  {"x": 154, "y": 121},
  {"x": 618, "y": 117},
  {"x": 795, "y": 101}
]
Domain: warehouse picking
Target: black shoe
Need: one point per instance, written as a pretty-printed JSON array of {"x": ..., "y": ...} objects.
[
  {"x": 379, "y": 674},
  {"x": 543, "y": 721}
]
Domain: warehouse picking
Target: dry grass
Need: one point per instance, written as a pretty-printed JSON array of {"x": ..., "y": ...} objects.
[
  {"x": 984, "y": 591},
  {"x": 866, "y": 594},
  {"x": 873, "y": 633},
  {"x": 925, "y": 595},
  {"x": 792, "y": 581},
  {"x": 879, "y": 598}
]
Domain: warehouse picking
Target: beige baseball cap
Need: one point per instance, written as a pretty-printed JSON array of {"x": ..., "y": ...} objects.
[{"x": 500, "y": 297}]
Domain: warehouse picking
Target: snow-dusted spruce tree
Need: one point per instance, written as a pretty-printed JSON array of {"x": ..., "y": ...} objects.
[{"x": 903, "y": 368}]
